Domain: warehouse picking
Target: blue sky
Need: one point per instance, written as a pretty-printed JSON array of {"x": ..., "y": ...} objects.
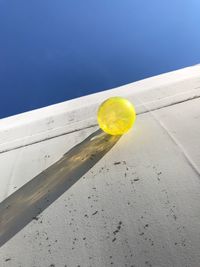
[{"x": 52, "y": 51}]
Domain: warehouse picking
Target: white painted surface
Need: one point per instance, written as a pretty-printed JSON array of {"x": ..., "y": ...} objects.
[{"x": 143, "y": 211}]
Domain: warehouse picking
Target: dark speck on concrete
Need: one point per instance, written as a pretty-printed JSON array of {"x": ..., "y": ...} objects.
[
  {"x": 114, "y": 239},
  {"x": 118, "y": 228},
  {"x": 52, "y": 265},
  {"x": 35, "y": 218},
  {"x": 117, "y": 162},
  {"x": 146, "y": 225},
  {"x": 8, "y": 259},
  {"x": 95, "y": 212},
  {"x": 115, "y": 232},
  {"x": 136, "y": 179}
]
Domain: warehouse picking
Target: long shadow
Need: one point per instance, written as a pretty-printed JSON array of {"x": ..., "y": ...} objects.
[{"x": 30, "y": 200}]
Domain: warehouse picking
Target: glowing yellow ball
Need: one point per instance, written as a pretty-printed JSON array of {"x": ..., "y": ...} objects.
[{"x": 116, "y": 115}]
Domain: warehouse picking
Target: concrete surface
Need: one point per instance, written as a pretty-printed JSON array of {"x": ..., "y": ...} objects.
[{"x": 137, "y": 206}]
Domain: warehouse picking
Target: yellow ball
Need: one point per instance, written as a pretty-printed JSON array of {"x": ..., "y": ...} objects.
[{"x": 116, "y": 115}]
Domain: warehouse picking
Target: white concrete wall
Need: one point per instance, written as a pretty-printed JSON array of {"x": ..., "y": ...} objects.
[{"x": 138, "y": 206}]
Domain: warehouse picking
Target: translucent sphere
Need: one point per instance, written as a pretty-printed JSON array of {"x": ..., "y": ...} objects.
[{"x": 116, "y": 115}]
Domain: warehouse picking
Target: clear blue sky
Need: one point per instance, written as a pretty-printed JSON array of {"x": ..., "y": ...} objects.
[{"x": 55, "y": 50}]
